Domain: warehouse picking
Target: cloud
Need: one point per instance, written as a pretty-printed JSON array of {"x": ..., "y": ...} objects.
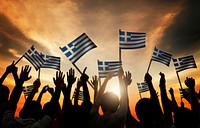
[
  {"x": 182, "y": 37},
  {"x": 13, "y": 42}
]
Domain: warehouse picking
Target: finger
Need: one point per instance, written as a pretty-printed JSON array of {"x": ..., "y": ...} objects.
[
  {"x": 84, "y": 70},
  {"x": 73, "y": 72}
]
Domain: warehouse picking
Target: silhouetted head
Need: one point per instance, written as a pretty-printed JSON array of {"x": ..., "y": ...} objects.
[
  {"x": 109, "y": 102},
  {"x": 184, "y": 118},
  {"x": 146, "y": 111},
  {"x": 4, "y": 94},
  {"x": 31, "y": 109},
  {"x": 51, "y": 109}
]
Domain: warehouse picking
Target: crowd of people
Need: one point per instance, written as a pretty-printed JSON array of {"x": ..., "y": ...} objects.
[{"x": 116, "y": 112}]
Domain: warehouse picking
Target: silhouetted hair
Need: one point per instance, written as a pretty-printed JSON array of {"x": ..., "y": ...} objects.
[{"x": 109, "y": 102}]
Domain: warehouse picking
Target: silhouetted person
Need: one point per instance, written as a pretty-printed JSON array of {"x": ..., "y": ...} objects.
[
  {"x": 148, "y": 110},
  {"x": 168, "y": 121},
  {"x": 9, "y": 120},
  {"x": 4, "y": 90},
  {"x": 32, "y": 109},
  {"x": 74, "y": 116},
  {"x": 114, "y": 110}
]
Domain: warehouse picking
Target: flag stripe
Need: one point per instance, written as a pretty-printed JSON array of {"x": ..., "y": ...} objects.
[
  {"x": 161, "y": 56},
  {"x": 34, "y": 58},
  {"x": 78, "y": 47},
  {"x": 131, "y": 40},
  {"x": 105, "y": 67},
  {"x": 184, "y": 63}
]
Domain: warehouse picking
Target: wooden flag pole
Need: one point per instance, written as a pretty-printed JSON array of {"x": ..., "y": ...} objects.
[
  {"x": 39, "y": 74},
  {"x": 82, "y": 73},
  {"x": 140, "y": 95},
  {"x": 149, "y": 65},
  {"x": 120, "y": 55},
  {"x": 179, "y": 80},
  {"x": 19, "y": 59}
]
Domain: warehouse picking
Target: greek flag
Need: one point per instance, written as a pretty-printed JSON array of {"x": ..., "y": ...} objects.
[
  {"x": 184, "y": 63},
  {"x": 27, "y": 89},
  {"x": 161, "y": 56},
  {"x": 131, "y": 40},
  {"x": 80, "y": 95},
  {"x": 142, "y": 87},
  {"x": 51, "y": 62},
  {"x": 34, "y": 58},
  {"x": 78, "y": 47},
  {"x": 105, "y": 67}
]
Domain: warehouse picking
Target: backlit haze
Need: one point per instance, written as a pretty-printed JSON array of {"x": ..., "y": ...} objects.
[{"x": 173, "y": 26}]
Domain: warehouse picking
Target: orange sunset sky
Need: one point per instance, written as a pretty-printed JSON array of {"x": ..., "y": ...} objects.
[{"x": 173, "y": 26}]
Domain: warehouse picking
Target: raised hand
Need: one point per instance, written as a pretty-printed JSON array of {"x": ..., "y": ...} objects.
[
  {"x": 36, "y": 85},
  {"x": 45, "y": 88},
  {"x": 59, "y": 80},
  {"x": 127, "y": 78},
  {"x": 11, "y": 68},
  {"x": 162, "y": 80},
  {"x": 147, "y": 78},
  {"x": 84, "y": 77},
  {"x": 50, "y": 90},
  {"x": 24, "y": 76},
  {"x": 71, "y": 77},
  {"x": 94, "y": 81},
  {"x": 171, "y": 91},
  {"x": 190, "y": 82}
]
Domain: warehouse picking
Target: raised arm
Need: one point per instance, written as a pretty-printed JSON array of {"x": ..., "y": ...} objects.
[
  {"x": 59, "y": 83},
  {"x": 67, "y": 90},
  {"x": 16, "y": 93},
  {"x": 94, "y": 82},
  {"x": 190, "y": 83},
  {"x": 123, "y": 107},
  {"x": 44, "y": 90},
  {"x": 165, "y": 102},
  {"x": 11, "y": 68},
  {"x": 84, "y": 78},
  {"x": 79, "y": 84},
  {"x": 131, "y": 122},
  {"x": 36, "y": 85},
  {"x": 97, "y": 101},
  {"x": 174, "y": 104}
]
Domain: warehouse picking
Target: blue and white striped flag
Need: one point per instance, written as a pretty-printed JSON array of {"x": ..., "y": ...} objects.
[
  {"x": 80, "y": 96},
  {"x": 161, "y": 56},
  {"x": 34, "y": 58},
  {"x": 27, "y": 89},
  {"x": 78, "y": 47},
  {"x": 184, "y": 63},
  {"x": 51, "y": 62},
  {"x": 105, "y": 67},
  {"x": 131, "y": 40},
  {"x": 142, "y": 87}
]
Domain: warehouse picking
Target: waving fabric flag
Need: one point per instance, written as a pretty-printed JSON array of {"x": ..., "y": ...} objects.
[
  {"x": 78, "y": 47},
  {"x": 161, "y": 56},
  {"x": 105, "y": 67},
  {"x": 184, "y": 63},
  {"x": 27, "y": 89},
  {"x": 142, "y": 87},
  {"x": 34, "y": 58},
  {"x": 51, "y": 62},
  {"x": 80, "y": 96},
  {"x": 131, "y": 40}
]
